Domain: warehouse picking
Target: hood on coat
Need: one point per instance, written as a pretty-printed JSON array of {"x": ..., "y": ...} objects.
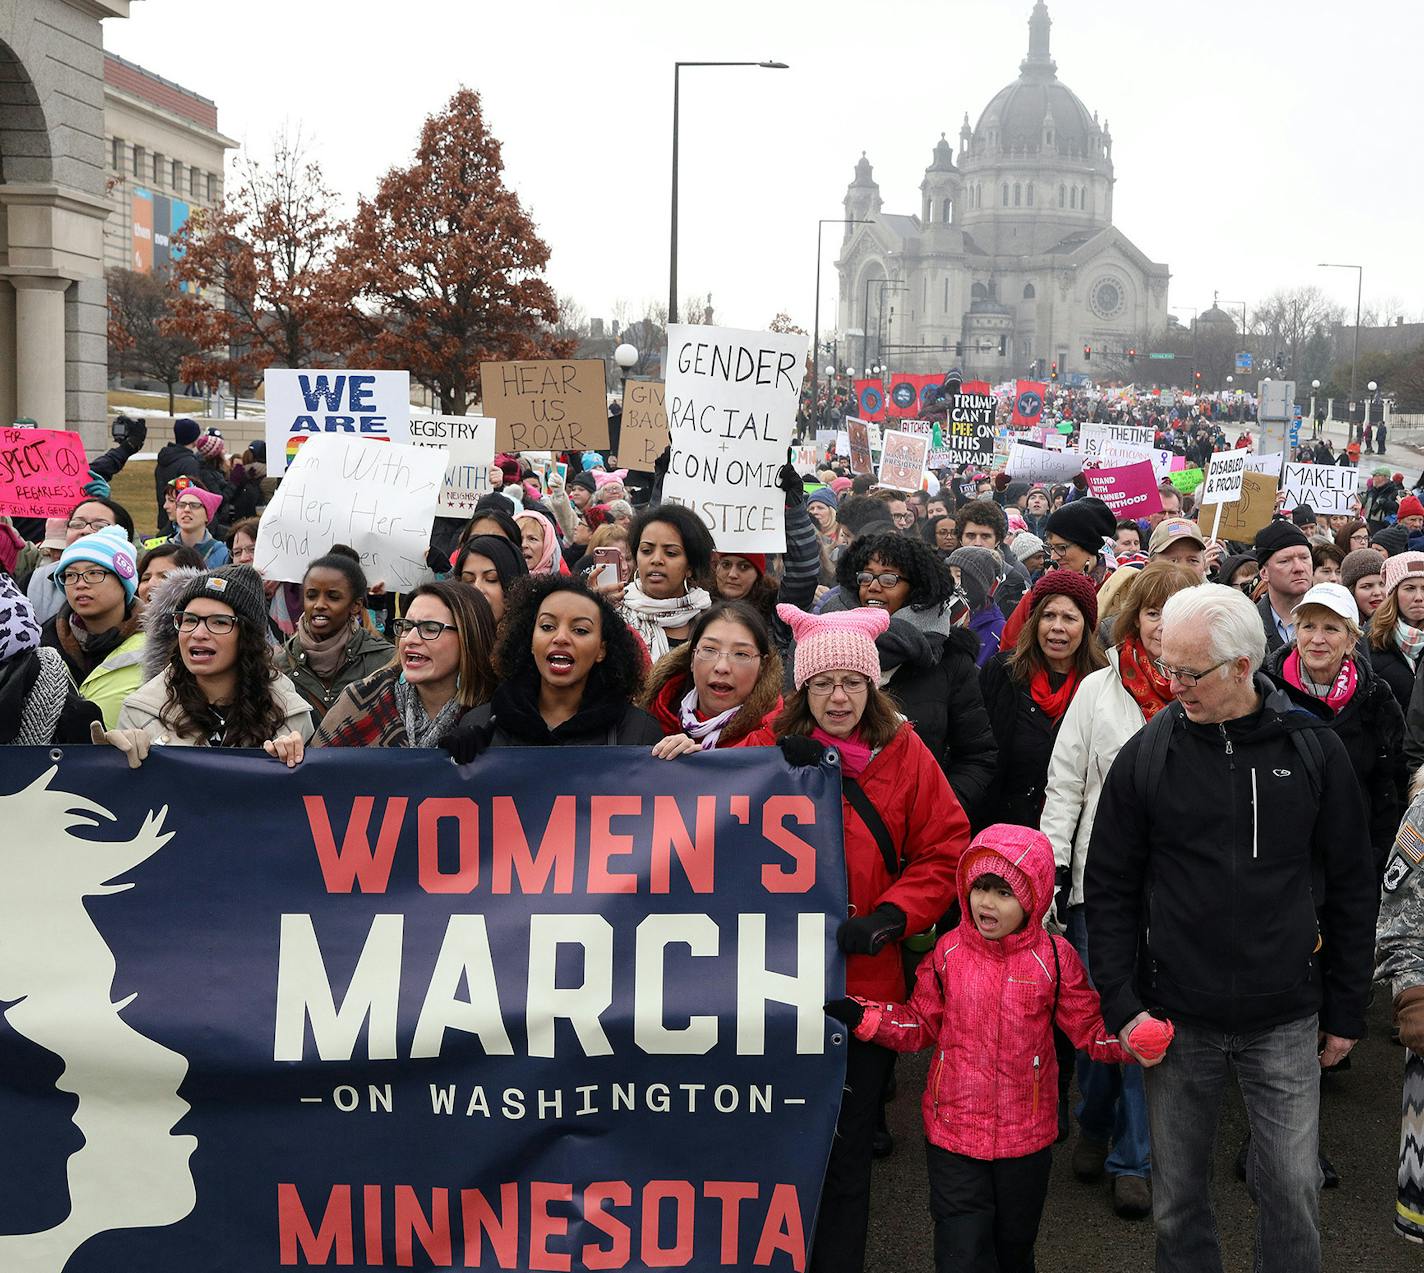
[
  {"x": 158, "y": 620},
  {"x": 1022, "y": 856},
  {"x": 671, "y": 678}
]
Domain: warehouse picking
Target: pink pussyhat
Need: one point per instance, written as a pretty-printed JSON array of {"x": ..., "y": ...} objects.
[{"x": 843, "y": 640}]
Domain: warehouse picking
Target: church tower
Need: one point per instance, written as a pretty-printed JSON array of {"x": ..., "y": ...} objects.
[
  {"x": 939, "y": 191},
  {"x": 862, "y": 197}
]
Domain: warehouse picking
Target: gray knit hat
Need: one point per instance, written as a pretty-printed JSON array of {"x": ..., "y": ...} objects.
[
  {"x": 1026, "y": 545},
  {"x": 978, "y": 571},
  {"x": 1360, "y": 564},
  {"x": 239, "y": 586}
]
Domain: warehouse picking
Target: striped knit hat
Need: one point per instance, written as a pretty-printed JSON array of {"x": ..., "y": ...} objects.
[{"x": 843, "y": 640}]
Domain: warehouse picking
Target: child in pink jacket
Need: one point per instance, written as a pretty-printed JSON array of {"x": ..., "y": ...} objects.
[{"x": 986, "y": 1000}]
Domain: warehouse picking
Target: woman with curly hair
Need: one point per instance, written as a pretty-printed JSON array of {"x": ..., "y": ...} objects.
[
  {"x": 672, "y": 564},
  {"x": 219, "y": 687},
  {"x": 441, "y": 671},
  {"x": 569, "y": 672},
  {"x": 926, "y": 653}
]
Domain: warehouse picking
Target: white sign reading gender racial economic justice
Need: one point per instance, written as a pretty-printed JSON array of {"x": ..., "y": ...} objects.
[
  {"x": 344, "y": 404},
  {"x": 1223, "y": 477},
  {"x": 1331, "y": 490},
  {"x": 731, "y": 407},
  {"x": 468, "y": 442},
  {"x": 379, "y": 498}
]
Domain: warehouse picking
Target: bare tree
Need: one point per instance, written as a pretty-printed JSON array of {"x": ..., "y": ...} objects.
[
  {"x": 1287, "y": 319},
  {"x": 139, "y": 310}
]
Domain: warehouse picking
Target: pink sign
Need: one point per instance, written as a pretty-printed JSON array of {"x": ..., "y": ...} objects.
[
  {"x": 1130, "y": 490},
  {"x": 42, "y": 472}
]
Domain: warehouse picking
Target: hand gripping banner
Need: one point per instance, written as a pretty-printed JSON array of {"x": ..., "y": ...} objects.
[{"x": 382, "y": 1012}]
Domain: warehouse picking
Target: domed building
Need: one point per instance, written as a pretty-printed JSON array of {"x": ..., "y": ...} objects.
[{"x": 1013, "y": 262}]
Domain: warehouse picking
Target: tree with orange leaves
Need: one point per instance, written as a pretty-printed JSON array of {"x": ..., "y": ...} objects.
[{"x": 443, "y": 268}]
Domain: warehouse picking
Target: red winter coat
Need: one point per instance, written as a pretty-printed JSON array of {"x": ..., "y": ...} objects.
[
  {"x": 909, "y": 790},
  {"x": 665, "y": 707},
  {"x": 986, "y": 1007}
]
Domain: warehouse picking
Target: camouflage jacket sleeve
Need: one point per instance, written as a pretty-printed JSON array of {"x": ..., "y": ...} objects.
[{"x": 1399, "y": 936}]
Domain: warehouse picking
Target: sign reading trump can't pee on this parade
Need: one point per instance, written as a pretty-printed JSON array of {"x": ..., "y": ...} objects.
[{"x": 731, "y": 406}]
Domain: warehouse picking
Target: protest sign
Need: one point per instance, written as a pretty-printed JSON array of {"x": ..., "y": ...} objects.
[
  {"x": 1266, "y": 463},
  {"x": 877, "y": 443},
  {"x": 1094, "y": 437},
  {"x": 42, "y": 472},
  {"x": 1186, "y": 480},
  {"x": 1240, "y": 519},
  {"x": 546, "y": 404},
  {"x": 903, "y": 460},
  {"x": 468, "y": 442},
  {"x": 858, "y": 440},
  {"x": 1115, "y": 453},
  {"x": 1035, "y": 464},
  {"x": 379, "y": 500},
  {"x": 805, "y": 459},
  {"x": 968, "y": 431},
  {"x": 351, "y": 404},
  {"x": 1028, "y": 403},
  {"x": 732, "y": 398},
  {"x": 644, "y": 432},
  {"x": 924, "y": 427},
  {"x": 825, "y": 440},
  {"x": 842, "y": 442},
  {"x": 1331, "y": 490},
  {"x": 1223, "y": 477},
  {"x": 386, "y": 1006},
  {"x": 1129, "y": 491}
]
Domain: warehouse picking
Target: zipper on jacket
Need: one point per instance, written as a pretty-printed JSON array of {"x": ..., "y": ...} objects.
[
  {"x": 934, "y": 1084},
  {"x": 1226, "y": 738},
  {"x": 1254, "y": 822},
  {"x": 1035, "y": 1086}
]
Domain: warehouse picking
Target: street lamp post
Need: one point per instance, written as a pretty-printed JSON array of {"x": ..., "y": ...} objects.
[
  {"x": 816, "y": 321},
  {"x": 1359, "y": 297},
  {"x": 672, "y": 247},
  {"x": 1314, "y": 419}
]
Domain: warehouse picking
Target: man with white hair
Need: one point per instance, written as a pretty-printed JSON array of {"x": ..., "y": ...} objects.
[{"x": 1230, "y": 886}]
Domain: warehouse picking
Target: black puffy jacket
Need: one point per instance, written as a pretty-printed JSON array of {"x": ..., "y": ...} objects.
[{"x": 1024, "y": 735}]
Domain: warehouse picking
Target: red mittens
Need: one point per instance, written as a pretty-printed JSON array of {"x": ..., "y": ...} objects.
[{"x": 1149, "y": 1039}]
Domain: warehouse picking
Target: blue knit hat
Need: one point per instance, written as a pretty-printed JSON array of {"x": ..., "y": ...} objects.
[{"x": 109, "y": 548}]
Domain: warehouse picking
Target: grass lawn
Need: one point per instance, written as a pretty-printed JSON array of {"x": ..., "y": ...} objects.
[
  {"x": 133, "y": 488},
  {"x": 153, "y": 401}
]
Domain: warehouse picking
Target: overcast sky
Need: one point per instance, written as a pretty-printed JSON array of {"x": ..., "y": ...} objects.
[{"x": 1251, "y": 139}]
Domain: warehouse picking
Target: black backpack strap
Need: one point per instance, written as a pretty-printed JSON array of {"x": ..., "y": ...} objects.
[
  {"x": 1057, "y": 977},
  {"x": 1312, "y": 756},
  {"x": 1152, "y": 754},
  {"x": 874, "y": 823}
]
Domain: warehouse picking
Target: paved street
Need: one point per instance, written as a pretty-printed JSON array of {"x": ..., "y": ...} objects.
[{"x": 1360, "y": 1132}]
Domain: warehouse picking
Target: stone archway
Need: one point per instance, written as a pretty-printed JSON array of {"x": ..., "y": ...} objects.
[{"x": 25, "y": 151}]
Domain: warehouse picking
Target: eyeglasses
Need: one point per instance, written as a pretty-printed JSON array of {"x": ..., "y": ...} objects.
[
  {"x": 217, "y": 624},
  {"x": 429, "y": 629},
  {"x": 192, "y": 505},
  {"x": 822, "y": 686},
  {"x": 902, "y": 519},
  {"x": 885, "y": 578},
  {"x": 88, "y": 523},
  {"x": 1057, "y": 549},
  {"x": 95, "y": 574},
  {"x": 244, "y": 554},
  {"x": 738, "y": 658},
  {"x": 1183, "y": 677}
]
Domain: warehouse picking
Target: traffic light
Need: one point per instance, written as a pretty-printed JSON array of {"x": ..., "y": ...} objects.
[
  {"x": 1196, "y": 375},
  {"x": 1087, "y": 353},
  {"x": 1132, "y": 355},
  {"x": 1053, "y": 370}
]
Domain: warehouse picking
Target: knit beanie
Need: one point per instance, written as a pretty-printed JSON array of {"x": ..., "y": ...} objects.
[
  {"x": 1410, "y": 506},
  {"x": 1074, "y": 585},
  {"x": 210, "y": 500},
  {"x": 1231, "y": 565},
  {"x": 185, "y": 431},
  {"x": 1014, "y": 490},
  {"x": 1399, "y": 566},
  {"x": 1085, "y": 522},
  {"x": 585, "y": 480},
  {"x": 1380, "y": 471},
  {"x": 239, "y": 586},
  {"x": 757, "y": 560},
  {"x": 1277, "y": 536},
  {"x": 978, "y": 571},
  {"x": 1000, "y": 850},
  {"x": 1025, "y": 546},
  {"x": 211, "y": 446},
  {"x": 18, "y": 629},
  {"x": 1360, "y": 564},
  {"x": 509, "y": 466},
  {"x": 841, "y": 640},
  {"x": 1392, "y": 540},
  {"x": 1303, "y": 515},
  {"x": 821, "y": 495},
  {"x": 503, "y": 555},
  {"x": 591, "y": 460},
  {"x": 109, "y": 548}
]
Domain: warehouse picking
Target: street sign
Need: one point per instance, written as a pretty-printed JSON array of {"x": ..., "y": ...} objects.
[
  {"x": 1243, "y": 362},
  {"x": 1169, "y": 356}
]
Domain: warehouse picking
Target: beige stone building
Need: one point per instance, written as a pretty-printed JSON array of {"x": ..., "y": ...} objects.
[{"x": 1013, "y": 262}]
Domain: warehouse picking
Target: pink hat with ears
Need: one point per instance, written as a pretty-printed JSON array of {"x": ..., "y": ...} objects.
[
  {"x": 843, "y": 640},
  {"x": 603, "y": 478},
  {"x": 210, "y": 500}
]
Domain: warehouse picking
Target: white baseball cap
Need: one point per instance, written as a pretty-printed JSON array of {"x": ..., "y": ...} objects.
[{"x": 1332, "y": 596}]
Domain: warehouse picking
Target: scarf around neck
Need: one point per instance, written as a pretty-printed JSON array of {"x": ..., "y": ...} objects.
[
  {"x": 706, "y": 732},
  {"x": 422, "y": 730},
  {"x": 1410, "y": 641},
  {"x": 1340, "y": 691},
  {"x": 1053, "y": 702},
  {"x": 651, "y": 618},
  {"x": 325, "y": 655},
  {"x": 855, "y": 753},
  {"x": 1148, "y": 687}
]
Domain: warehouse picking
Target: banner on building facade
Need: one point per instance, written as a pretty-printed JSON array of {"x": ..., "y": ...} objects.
[{"x": 383, "y": 1011}]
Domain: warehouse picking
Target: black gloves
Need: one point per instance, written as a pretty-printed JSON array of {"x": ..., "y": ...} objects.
[
  {"x": 790, "y": 481},
  {"x": 867, "y": 934},
  {"x": 660, "y": 465},
  {"x": 1062, "y": 887},
  {"x": 846, "y": 1011},
  {"x": 801, "y": 751},
  {"x": 466, "y": 741}
]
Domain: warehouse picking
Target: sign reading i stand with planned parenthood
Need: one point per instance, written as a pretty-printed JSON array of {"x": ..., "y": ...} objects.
[
  {"x": 731, "y": 407},
  {"x": 384, "y": 1012},
  {"x": 351, "y": 404}
]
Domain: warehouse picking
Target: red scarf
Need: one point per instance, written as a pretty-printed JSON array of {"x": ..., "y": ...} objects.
[
  {"x": 1340, "y": 692},
  {"x": 1148, "y": 687},
  {"x": 1053, "y": 702}
]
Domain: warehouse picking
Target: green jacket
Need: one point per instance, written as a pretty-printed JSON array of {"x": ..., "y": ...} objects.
[
  {"x": 364, "y": 654},
  {"x": 118, "y": 676}
]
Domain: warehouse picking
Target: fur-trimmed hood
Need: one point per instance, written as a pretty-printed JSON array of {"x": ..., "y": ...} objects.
[
  {"x": 671, "y": 678},
  {"x": 158, "y": 620}
]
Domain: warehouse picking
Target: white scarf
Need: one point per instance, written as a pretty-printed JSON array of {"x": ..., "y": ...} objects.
[
  {"x": 651, "y": 618},
  {"x": 706, "y": 732}
]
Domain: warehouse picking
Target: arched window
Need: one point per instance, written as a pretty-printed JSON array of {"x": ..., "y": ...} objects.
[
  {"x": 1006, "y": 194},
  {"x": 1029, "y": 293},
  {"x": 946, "y": 212},
  {"x": 946, "y": 293},
  {"x": 979, "y": 292},
  {"x": 1018, "y": 193},
  {"x": 1073, "y": 197},
  {"x": 1062, "y": 194},
  {"x": 1030, "y": 194},
  {"x": 1082, "y": 198}
]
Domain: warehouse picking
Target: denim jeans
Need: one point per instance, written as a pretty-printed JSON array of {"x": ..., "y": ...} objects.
[
  {"x": 1114, "y": 1104},
  {"x": 1279, "y": 1075}
]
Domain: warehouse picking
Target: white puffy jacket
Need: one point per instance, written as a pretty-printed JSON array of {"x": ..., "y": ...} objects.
[{"x": 1100, "y": 719}]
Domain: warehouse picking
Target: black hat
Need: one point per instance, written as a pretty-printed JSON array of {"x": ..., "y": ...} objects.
[
  {"x": 584, "y": 479},
  {"x": 1277, "y": 536},
  {"x": 1303, "y": 515},
  {"x": 239, "y": 586},
  {"x": 1392, "y": 541},
  {"x": 503, "y": 555},
  {"x": 1232, "y": 564},
  {"x": 1085, "y": 522}
]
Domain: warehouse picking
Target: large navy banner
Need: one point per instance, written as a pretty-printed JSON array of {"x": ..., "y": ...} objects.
[{"x": 554, "y": 1010}]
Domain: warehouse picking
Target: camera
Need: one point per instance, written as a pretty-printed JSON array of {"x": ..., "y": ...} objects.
[{"x": 129, "y": 431}]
